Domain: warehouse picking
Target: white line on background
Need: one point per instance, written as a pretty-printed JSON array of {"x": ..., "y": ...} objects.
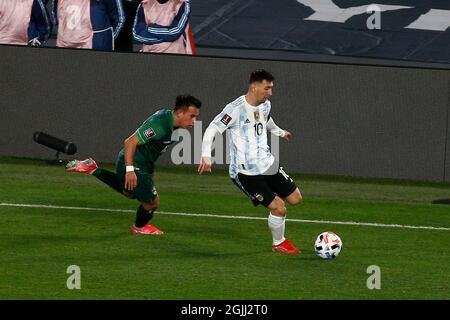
[{"x": 208, "y": 215}]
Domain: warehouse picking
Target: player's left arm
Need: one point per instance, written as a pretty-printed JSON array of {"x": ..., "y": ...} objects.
[
  {"x": 116, "y": 15},
  {"x": 40, "y": 27},
  {"x": 277, "y": 131},
  {"x": 173, "y": 31},
  {"x": 53, "y": 12},
  {"x": 140, "y": 33}
]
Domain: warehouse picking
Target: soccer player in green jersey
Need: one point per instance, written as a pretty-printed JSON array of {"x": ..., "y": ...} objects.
[{"x": 135, "y": 162}]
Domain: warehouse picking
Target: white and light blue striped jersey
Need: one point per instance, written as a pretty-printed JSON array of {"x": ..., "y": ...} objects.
[{"x": 247, "y": 127}]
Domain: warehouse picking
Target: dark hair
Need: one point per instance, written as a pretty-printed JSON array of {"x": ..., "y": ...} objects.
[
  {"x": 185, "y": 101},
  {"x": 260, "y": 75}
]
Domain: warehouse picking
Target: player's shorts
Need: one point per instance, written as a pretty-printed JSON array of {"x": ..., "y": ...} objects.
[
  {"x": 145, "y": 190},
  {"x": 262, "y": 189}
]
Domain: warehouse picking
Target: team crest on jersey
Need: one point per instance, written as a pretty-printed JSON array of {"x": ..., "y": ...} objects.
[
  {"x": 149, "y": 133},
  {"x": 225, "y": 119},
  {"x": 256, "y": 114}
]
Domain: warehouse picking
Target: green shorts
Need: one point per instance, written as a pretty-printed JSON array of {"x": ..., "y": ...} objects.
[{"x": 145, "y": 190}]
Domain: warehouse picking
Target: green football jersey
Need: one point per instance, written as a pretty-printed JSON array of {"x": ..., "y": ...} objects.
[{"x": 154, "y": 135}]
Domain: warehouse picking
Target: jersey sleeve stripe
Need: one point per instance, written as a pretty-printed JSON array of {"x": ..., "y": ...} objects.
[{"x": 140, "y": 137}]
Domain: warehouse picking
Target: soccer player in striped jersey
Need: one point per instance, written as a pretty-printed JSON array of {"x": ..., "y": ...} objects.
[
  {"x": 253, "y": 168},
  {"x": 135, "y": 162}
]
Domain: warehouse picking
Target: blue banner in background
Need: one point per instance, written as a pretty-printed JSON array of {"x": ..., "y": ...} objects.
[{"x": 414, "y": 30}]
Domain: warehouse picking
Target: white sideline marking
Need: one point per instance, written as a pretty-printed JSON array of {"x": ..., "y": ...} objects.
[{"x": 353, "y": 223}]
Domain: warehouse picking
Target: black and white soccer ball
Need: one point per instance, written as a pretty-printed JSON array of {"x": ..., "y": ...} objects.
[{"x": 328, "y": 245}]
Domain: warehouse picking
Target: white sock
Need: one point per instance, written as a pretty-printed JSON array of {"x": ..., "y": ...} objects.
[{"x": 276, "y": 225}]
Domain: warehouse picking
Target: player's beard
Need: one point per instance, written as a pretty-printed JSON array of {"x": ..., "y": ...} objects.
[{"x": 264, "y": 100}]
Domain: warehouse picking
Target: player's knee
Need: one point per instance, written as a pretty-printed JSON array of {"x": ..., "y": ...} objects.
[
  {"x": 280, "y": 211},
  {"x": 277, "y": 207},
  {"x": 147, "y": 206},
  {"x": 155, "y": 203},
  {"x": 150, "y": 206}
]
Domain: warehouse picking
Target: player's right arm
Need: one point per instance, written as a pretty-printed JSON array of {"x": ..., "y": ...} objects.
[
  {"x": 130, "y": 145},
  {"x": 208, "y": 138},
  {"x": 148, "y": 131},
  {"x": 221, "y": 122}
]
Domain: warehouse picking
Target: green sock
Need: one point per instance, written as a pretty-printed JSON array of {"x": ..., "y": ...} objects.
[{"x": 108, "y": 177}]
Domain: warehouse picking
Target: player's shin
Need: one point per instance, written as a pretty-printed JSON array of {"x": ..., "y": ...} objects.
[
  {"x": 277, "y": 226},
  {"x": 143, "y": 217}
]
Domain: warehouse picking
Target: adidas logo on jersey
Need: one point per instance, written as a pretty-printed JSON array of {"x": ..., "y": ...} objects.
[{"x": 247, "y": 121}]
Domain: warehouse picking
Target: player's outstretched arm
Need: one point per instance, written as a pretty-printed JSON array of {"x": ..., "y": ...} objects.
[
  {"x": 205, "y": 161},
  {"x": 205, "y": 165},
  {"x": 276, "y": 130},
  {"x": 287, "y": 135}
]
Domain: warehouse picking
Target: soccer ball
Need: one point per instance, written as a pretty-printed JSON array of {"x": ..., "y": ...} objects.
[{"x": 328, "y": 245}]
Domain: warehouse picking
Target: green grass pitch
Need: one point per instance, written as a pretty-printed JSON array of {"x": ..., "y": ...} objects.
[{"x": 202, "y": 257}]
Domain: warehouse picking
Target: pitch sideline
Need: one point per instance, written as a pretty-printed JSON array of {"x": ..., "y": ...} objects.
[{"x": 208, "y": 215}]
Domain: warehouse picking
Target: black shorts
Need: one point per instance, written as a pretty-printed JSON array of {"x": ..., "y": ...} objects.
[{"x": 262, "y": 189}]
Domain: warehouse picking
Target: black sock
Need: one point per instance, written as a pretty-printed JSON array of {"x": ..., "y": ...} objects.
[
  {"x": 143, "y": 217},
  {"x": 108, "y": 177}
]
